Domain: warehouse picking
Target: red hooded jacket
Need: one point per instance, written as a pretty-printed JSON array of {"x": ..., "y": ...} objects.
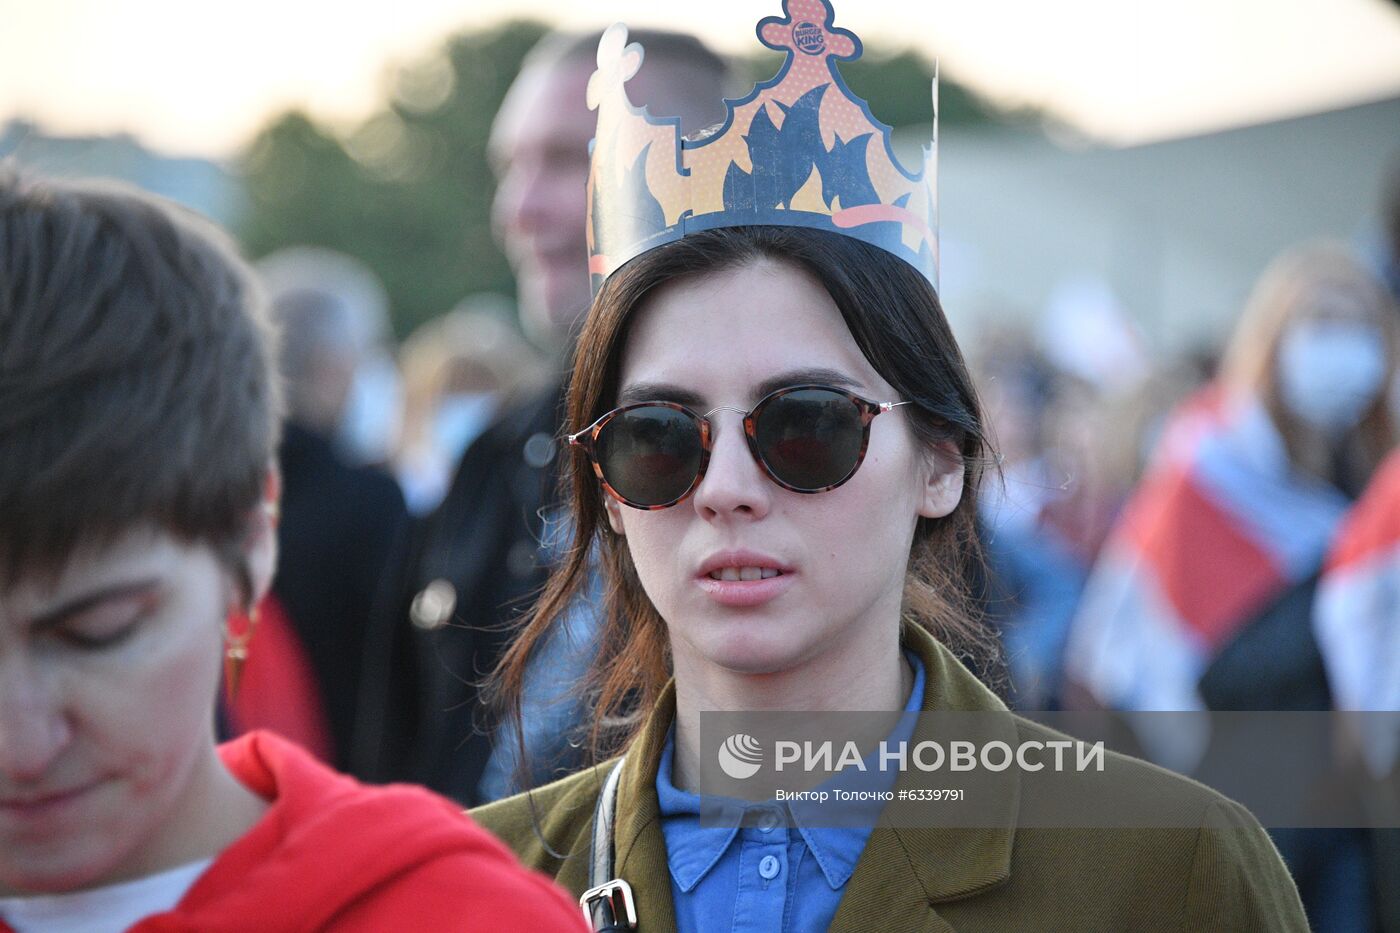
[{"x": 333, "y": 854}]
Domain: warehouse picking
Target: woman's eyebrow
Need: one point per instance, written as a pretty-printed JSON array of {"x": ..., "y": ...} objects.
[
  {"x": 819, "y": 375},
  {"x": 69, "y": 608},
  {"x": 658, "y": 391},
  {"x": 666, "y": 391}
]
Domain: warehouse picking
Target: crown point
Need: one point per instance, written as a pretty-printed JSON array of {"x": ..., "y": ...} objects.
[
  {"x": 781, "y": 152},
  {"x": 610, "y": 46},
  {"x": 618, "y": 60},
  {"x": 805, "y": 29}
]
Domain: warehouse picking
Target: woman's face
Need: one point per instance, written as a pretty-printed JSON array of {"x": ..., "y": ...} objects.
[
  {"x": 107, "y": 681},
  {"x": 726, "y": 339}
]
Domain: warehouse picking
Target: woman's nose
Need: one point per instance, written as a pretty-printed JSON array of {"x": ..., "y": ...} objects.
[
  {"x": 734, "y": 483},
  {"x": 34, "y": 726}
]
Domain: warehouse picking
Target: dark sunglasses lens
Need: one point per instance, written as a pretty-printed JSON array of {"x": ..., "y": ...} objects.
[
  {"x": 810, "y": 438},
  {"x": 650, "y": 455}
]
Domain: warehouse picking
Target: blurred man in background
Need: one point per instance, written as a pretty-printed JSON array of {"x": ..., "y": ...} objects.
[
  {"x": 356, "y": 371},
  {"x": 338, "y": 518},
  {"x": 475, "y": 563}
]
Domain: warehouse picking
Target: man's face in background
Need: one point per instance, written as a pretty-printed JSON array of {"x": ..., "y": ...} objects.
[{"x": 539, "y": 149}]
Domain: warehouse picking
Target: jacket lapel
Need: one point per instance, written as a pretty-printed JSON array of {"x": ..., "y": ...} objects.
[
  {"x": 640, "y": 845},
  {"x": 885, "y": 892},
  {"x": 905, "y": 871}
]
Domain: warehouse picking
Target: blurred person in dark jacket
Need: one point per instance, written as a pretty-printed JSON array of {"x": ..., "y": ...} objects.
[
  {"x": 469, "y": 568},
  {"x": 339, "y": 520}
]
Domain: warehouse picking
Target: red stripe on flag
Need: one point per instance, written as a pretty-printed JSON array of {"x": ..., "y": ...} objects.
[
  {"x": 1373, "y": 525},
  {"x": 1214, "y": 575}
]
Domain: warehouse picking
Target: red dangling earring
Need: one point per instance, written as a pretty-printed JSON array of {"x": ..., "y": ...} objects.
[
  {"x": 238, "y": 632},
  {"x": 238, "y": 624}
]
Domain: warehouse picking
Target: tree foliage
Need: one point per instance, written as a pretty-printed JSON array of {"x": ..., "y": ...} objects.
[{"x": 408, "y": 191}]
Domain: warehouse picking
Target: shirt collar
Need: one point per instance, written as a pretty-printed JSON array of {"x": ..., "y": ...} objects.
[
  {"x": 692, "y": 850},
  {"x": 837, "y": 848}
]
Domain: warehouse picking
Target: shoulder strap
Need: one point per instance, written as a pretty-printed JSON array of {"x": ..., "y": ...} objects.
[
  {"x": 600, "y": 865},
  {"x": 607, "y": 905}
]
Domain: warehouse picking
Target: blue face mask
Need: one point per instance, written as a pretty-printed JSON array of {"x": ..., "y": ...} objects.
[
  {"x": 460, "y": 419},
  {"x": 1330, "y": 372}
]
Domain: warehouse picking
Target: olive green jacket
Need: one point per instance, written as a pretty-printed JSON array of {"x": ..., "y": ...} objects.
[{"x": 1223, "y": 874}]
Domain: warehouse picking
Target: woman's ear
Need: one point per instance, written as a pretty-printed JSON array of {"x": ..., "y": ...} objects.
[
  {"x": 942, "y": 482},
  {"x": 614, "y": 510},
  {"x": 260, "y": 546}
]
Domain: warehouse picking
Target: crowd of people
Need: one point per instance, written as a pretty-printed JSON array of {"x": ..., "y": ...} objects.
[{"x": 457, "y": 564}]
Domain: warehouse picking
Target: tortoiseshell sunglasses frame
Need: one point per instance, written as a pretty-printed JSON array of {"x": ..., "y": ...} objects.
[{"x": 587, "y": 438}]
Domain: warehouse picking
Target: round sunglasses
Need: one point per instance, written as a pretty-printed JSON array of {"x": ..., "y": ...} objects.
[{"x": 806, "y": 438}]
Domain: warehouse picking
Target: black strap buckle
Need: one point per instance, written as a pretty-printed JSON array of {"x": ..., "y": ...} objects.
[{"x": 609, "y": 907}]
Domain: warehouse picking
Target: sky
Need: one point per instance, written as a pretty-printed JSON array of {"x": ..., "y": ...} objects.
[{"x": 200, "y": 77}]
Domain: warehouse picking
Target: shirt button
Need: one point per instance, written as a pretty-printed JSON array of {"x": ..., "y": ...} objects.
[
  {"x": 767, "y": 821},
  {"x": 768, "y": 868}
]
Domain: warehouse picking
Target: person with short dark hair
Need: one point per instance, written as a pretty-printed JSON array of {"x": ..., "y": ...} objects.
[{"x": 138, "y": 505}]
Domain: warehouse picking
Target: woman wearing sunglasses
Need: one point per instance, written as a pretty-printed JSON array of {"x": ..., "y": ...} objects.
[{"x": 776, "y": 453}]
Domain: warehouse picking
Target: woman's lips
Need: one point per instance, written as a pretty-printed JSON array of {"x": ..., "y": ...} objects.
[
  {"x": 40, "y": 810},
  {"x": 742, "y": 593}
]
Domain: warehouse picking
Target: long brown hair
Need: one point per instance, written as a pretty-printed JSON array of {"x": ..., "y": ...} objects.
[{"x": 896, "y": 320}]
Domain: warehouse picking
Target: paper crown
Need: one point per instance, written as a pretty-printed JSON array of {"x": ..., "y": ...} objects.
[{"x": 800, "y": 150}]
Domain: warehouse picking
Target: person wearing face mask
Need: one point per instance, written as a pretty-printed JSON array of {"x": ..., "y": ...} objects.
[
  {"x": 1332, "y": 372},
  {"x": 1202, "y": 597}
]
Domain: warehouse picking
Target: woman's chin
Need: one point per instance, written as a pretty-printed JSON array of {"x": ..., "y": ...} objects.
[
  {"x": 752, "y": 643},
  {"x": 757, "y": 654},
  {"x": 53, "y": 872}
]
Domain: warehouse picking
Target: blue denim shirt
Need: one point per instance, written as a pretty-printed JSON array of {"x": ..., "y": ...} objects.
[{"x": 764, "y": 877}]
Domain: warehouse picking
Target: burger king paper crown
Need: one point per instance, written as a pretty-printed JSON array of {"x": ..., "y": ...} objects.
[{"x": 800, "y": 150}]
